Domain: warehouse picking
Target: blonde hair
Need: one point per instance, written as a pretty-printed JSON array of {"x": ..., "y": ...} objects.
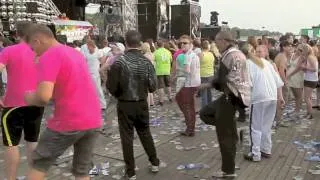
[
  {"x": 306, "y": 48},
  {"x": 252, "y": 40},
  {"x": 214, "y": 49},
  {"x": 145, "y": 47},
  {"x": 205, "y": 45}
]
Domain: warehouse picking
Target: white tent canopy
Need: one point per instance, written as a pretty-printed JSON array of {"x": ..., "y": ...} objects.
[{"x": 72, "y": 23}]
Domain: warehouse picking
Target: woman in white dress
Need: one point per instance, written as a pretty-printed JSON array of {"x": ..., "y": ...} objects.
[
  {"x": 295, "y": 80},
  {"x": 308, "y": 65}
]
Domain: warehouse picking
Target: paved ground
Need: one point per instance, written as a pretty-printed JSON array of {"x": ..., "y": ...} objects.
[{"x": 287, "y": 161}]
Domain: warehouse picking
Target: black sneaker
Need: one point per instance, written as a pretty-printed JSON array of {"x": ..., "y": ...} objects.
[
  {"x": 265, "y": 155},
  {"x": 224, "y": 175},
  {"x": 188, "y": 134}
]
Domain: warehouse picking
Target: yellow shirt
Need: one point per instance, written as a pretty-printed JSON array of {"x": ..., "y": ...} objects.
[{"x": 207, "y": 64}]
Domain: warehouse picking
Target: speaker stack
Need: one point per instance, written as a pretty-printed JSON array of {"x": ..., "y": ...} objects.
[
  {"x": 147, "y": 18},
  {"x": 74, "y": 9},
  {"x": 185, "y": 19}
]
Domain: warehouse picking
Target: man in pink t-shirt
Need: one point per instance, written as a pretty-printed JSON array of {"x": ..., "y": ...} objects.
[
  {"x": 17, "y": 116},
  {"x": 63, "y": 77}
]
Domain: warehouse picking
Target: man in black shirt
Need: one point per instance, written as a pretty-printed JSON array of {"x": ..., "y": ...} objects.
[{"x": 133, "y": 77}]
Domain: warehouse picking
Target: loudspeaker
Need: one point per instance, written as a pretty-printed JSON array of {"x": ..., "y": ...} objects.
[
  {"x": 180, "y": 20},
  {"x": 81, "y": 3},
  {"x": 113, "y": 14},
  {"x": 147, "y": 18},
  {"x": 210, "y": 32},
  {"x": 185, "y": 19}
]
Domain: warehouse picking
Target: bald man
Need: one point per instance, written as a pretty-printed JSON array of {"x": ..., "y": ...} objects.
[
  {"x": 232, "y": 79},
  {"x": 65, "y": 78}
]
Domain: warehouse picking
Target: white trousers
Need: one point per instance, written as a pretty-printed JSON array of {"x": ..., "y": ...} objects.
[
  {"x": 97, "y": 81},
  {"x": 261, "y": 120}
]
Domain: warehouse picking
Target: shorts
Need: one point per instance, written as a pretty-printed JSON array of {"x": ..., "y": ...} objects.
[
  {"x": 311, "y": 84},
  {"x": 163, "y": 81},
  {"x": 53, "y": 144},
  {"x": 14, "y": 120}
]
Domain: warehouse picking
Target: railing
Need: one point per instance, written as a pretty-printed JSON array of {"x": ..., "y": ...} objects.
[{"x": 54, "y": 8}]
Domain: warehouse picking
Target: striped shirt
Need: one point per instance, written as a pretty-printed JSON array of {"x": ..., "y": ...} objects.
[{"x": 131, "y": 77}]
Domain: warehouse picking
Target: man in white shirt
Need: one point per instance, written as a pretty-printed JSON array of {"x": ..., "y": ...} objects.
[
  {"x": 94, "y": 58},
  {"x": 265, "y": 92}
]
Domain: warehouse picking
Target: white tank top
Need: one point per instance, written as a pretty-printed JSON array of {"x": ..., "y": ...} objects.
[{"x": 311, "y": 76}]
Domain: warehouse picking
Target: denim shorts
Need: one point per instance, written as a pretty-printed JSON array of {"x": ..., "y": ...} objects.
[{"x": 53, "y": 144}]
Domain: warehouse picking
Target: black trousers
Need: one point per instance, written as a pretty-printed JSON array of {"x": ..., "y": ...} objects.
[
  {"x": 242, "y": 112},
  {"x": 221, "y": 114},
  {"x": 135, "y": 114}
]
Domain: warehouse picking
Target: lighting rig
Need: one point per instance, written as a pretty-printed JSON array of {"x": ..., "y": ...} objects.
[{"x": 13, "y": 11}]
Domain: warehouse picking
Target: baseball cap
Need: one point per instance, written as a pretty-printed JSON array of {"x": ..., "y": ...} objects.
[{"x": 118, "y": 45}]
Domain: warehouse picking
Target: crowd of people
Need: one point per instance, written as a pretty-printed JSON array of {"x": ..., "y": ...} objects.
[{"x": 259, "y": 75}]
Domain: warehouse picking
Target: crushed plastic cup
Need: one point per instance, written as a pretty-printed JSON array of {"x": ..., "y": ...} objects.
[
  {"x": 105, "y": 172},
  {"x": 295, "y": 167},
  {"x": 314, "y": 172},
  {"x": 190, "y": 148},
  {"x": 155, "y": 122},
  {"x": 205, "y": 148},
  {"x": 314, "y": 158},
  {"x": 203, "y": 145},
  {"x": 192, "y": 166},
  {"x": 119, "y": 164},
  {"x": 67, "y": 174},
  {"x": 163, "y": 165},
  {"x": 215, "y": 145},
  {"x": 179, "y": 147},
  {"x": 297, "y": 178},
  {"x": 181, "y": 167}
]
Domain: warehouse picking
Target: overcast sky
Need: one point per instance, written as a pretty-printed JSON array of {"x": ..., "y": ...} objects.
[{"x": 275, "y": 15}]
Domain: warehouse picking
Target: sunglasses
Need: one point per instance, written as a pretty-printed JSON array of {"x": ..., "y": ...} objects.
[{"x": 184, "y": 43}]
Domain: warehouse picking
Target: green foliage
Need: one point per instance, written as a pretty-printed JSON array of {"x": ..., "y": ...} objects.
[{"x": 253, "y": 32}]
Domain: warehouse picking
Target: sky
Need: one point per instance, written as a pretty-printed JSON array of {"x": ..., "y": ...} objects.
[{"x": 274, "y": 15}]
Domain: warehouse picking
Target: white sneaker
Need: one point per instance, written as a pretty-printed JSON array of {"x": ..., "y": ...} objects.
[
  {"x": 154, "y": 169},
  {"x": 132, "y": 177},
  {"x": 251, "y": 157}
]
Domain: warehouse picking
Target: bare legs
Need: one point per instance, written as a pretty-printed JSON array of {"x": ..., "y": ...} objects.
[
  {"x": 12, "y": 157},
  {"x": 308, "y": 99},
  {"x": 318, "y": 97},
  {"x": 161, "y": 94},
  {"x": 298, "y": 94},
  {"x": 150, "y": 99}
]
